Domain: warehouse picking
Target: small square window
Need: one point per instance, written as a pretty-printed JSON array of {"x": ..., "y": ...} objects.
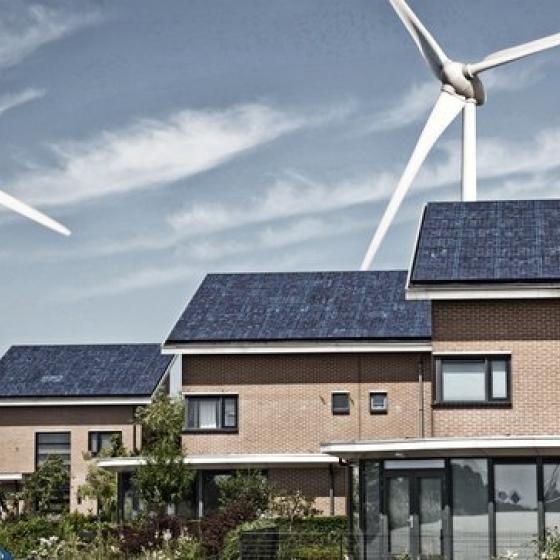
[
  {"x": 103, "y": 441},
  {"x": 377, "y": 402},
  {"x": 341, "y": 403}
]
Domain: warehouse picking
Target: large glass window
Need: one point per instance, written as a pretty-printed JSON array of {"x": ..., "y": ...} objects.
[
  {"x": 473, "y": 380},
  {"x": 212, "y": 412},
  {"x": 551, "y": 495},
  {"x": 53, "y": 444},
  {"x": 470, "y": 508},
  {"x": 515, "y": 495}
]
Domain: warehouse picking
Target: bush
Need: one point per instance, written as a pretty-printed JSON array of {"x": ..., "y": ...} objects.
[
  {"x": 232, "y": 542},
  {"x": 46, "y": 486},
  {"x": 148, "y": 534},
  {"x": 251, "y": 487},
  {"x": 215, "y": 527}
]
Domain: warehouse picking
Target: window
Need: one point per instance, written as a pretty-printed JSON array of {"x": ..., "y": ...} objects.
[
  {"x": 341, "y": 403},
  {"x": 470, "y": 508},
  {"x": 212, "y": 413},
  {"x": 516, "y": 502},
  {"x": 473, "y": 380},
  {"x": 99, "y": 441},
  {"x": 52, "y": 444},
  {"x": 377, "y": 402}
]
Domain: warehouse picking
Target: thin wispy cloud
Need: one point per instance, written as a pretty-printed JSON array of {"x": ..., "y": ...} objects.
[
  {"x": 13, "y": 100},
  {"x": 153, "y": 152},
  {"x": 36, "y": 26}
]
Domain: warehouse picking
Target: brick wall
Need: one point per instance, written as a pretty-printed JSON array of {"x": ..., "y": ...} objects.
[
  {"x": 313, "y": 483},
  {"x": 285, "y": 400},
  {"x": 530, "y": 330},
  {"x": 18, "y": 426}
]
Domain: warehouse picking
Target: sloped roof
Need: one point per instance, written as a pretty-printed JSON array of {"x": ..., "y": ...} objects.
[
  {"x": 302, "y": 306},
  {"x": 488, "y": 242},
  {"x": 105, "y": 370}
]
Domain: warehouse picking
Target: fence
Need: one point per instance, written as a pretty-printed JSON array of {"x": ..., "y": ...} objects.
[{"x": 276, "y": 545}]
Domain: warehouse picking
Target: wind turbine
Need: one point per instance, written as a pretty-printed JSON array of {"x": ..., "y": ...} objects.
[
  {"x": 462, "y": 90},
  {"x": 25, "y": 210}
]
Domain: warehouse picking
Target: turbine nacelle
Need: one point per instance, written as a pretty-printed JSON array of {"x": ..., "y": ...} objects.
[
  {"x": 462, "y": 91},
  {"x": 455, "y": 75}
]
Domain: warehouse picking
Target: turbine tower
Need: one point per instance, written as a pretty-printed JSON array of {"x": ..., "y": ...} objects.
[
  {"x": 25, "y": 210},
  {"x": 461, "y": 90}
]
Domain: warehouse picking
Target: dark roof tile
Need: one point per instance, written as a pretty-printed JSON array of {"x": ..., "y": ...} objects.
[
  {"x": 104, "y": 370},
  {"x": 302, "y": 306}
]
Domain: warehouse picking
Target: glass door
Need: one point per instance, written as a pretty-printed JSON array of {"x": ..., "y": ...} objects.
[{"x": 414, "y": 508}]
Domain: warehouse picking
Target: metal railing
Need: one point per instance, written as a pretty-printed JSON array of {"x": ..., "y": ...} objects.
[
  {"x": 272, "y": 544},
  {"x": 275, "y": 545}
]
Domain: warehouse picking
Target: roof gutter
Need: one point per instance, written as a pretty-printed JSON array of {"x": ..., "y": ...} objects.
[
  {"x": 482, "y": 291},
  {"x": 308, "y": 347}
]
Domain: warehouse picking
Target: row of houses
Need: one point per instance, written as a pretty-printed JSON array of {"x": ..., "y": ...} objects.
[{"x": 423, "y": 403}]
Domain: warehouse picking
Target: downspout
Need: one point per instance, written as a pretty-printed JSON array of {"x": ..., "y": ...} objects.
[{"x": 421, "y": 397}]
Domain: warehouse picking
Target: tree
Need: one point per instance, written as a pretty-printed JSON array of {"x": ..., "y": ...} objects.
[
  {"x": 250, "y": 486},
  {"x": 164, "y": 478},
  {"x": 47, "y": 487},
  {"x": 101, "y": 484}
]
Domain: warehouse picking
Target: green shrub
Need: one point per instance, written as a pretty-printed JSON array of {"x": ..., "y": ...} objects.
[
  {"x": 231, "y": 549},
  {"x": 251, "y": 487}
]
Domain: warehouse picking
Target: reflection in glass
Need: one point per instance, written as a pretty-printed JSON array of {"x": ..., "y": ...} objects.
[
  {"x": 516, "y": 508},
  {"x": 430, "y": 502},
  {"x": 470, "y": 508},
  {"x": 356, "y": 526},
  {"x": 499, "y": 379},
  {"x": 551, "y": 492},
  {"x": 463, "y": 380},
  {"x": 372, "y": 488},
  {"x": 399, "y": 512}
]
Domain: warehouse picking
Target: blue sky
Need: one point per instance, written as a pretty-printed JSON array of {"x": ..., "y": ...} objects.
[{"x": 184, "y": 138}]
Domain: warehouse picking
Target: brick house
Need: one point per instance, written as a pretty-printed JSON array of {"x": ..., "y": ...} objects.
[
  {"x": 484, "y": 480},
  {"x": 69, "y": 400},
  {"x": 275, "y": 364}
]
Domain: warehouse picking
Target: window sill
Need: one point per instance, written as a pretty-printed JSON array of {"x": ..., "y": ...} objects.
[
  {"x": 470, "y": 404},
  {"x": 373, "y": 412},
  {"x": 211, "y": 431}
]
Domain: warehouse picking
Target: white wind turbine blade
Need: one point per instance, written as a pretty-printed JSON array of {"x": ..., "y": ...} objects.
[
  {"x": 514, "y": 53},
  {"x": 29, "y": 212},
  {"x": 446, "y": 109},
  {"x": 431, "y": 51}
]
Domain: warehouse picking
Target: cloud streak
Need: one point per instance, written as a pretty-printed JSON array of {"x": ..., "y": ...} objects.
[
  {"x": 13, "y": 100},
  {"x": 36, "y": 26},
  {"x": 152, "y": 152}
]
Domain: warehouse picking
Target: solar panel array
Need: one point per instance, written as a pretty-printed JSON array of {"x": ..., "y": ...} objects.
[
  {"x": 498, "y": 241},
  {"x": 302, "y": 306},
  {"x": 125, "y": 370}
]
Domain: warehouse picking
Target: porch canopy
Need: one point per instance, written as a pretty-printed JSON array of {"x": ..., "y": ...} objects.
[
  {"x": 11, "y": 477},
  {"x": 417, "y": 448},
  {"x": 230, "y": 461}
]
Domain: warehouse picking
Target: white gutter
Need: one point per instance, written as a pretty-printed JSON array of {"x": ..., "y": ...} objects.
[
  {"x": 11, "y": 477},
  {"x": 295, "y": 347},
  {"x": 73, "y": 401},
  {"x": 482, "y": 291},
  {"x": 229, "y": 461},
  {"x": 446, "y": 447}
]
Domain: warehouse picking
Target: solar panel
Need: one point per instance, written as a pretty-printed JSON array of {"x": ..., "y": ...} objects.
[
  {"x": 498, "y": 241},
  {"x": 82, "y": 370},
  {"x": 302, "y": 306}
]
